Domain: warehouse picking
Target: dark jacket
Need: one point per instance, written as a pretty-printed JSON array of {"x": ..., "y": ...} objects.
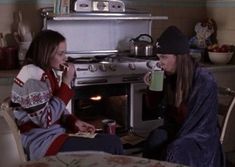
[{"x": 197, "y": 140}]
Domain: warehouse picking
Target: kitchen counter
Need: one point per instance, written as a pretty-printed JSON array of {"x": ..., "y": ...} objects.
[
  {"x": 212, "y": 67},
  {"x": 224, "y": 74},
  {"x": 6, "y": 80},
  {"x": 8, "y": 73}
]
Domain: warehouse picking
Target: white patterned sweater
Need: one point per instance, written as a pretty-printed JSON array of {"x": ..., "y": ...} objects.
[{"x": 41, "y": 103}]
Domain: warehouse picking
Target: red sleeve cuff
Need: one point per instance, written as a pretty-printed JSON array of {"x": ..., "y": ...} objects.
[{"x": 64, "y": 93}]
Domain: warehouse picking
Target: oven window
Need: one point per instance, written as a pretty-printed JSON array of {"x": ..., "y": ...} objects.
[{"x": 97, "y": 102}]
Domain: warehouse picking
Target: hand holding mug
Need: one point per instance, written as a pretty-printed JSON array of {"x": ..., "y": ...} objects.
[{"x": 154, "y": 80}]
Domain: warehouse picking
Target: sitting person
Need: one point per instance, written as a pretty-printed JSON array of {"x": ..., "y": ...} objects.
[
  {"x": 39, "y": 97},
  {"x": 190, "y": 132}
]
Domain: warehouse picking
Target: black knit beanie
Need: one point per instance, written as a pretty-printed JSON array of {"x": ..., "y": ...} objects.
[{"x": 172, "y": 41}]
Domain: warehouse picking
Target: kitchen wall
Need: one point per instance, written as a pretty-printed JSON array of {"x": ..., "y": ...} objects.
[
  {"x": 223, "y": 12},
  {"x": 30, "y": 13},
  {"x": 186, "y": 13},
  {"x": 183, "y": 13}
]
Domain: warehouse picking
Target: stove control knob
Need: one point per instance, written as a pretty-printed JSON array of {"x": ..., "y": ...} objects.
[
  {"x": 92, "y": 68},
  {"x": 132, "y": 66},
  {"x": 149, "y": 64},
  {"x": 103, "y": 68},
  {"x": 113, "y": 67}
]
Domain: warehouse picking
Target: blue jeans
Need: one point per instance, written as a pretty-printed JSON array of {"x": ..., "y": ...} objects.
[
  {"x": 155, "y": 145},
  {"x": 102, "y": 142}
]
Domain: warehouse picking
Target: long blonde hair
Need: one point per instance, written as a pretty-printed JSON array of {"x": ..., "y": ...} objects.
[{"x": 185, "y": 66}]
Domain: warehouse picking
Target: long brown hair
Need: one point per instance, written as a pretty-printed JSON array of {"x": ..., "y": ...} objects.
[
  {"x": 185, "y": 66},
  {"x": 43, "y": 47}
]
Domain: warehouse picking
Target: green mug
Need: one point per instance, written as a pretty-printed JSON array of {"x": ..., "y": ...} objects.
[{"x": 155, "y": 80}]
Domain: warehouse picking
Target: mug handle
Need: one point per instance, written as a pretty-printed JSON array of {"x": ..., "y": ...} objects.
[{"x": 147, "y": 78}]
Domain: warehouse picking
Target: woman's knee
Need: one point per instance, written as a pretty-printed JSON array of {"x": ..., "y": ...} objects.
[
  {"x": 157, "y": 137},
  {"x": 155, "y": 144},
  {"x": 182, "y": 151},
  {"x": 112, "y": 143}
]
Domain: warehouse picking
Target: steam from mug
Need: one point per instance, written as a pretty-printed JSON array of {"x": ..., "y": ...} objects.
[{"x": 154, "y": 80}]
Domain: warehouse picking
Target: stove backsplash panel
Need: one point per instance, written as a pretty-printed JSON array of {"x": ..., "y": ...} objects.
[{"x": 99, "y": 35}]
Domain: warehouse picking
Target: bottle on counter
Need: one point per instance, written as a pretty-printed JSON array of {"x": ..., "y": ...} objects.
[
  {"x": 61, "y": 6},
  {"x": 23, "y": 47},
  {"x": 2, "y": 41},
  {"x": 65, "y": 6},
  {"x": 57, "y": 6}
]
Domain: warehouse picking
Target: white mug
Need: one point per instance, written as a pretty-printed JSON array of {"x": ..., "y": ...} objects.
[{"x": 154, "y": 80}]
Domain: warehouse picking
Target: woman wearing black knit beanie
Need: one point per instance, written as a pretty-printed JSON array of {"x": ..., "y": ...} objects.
[{"x": 190, "y": 132}]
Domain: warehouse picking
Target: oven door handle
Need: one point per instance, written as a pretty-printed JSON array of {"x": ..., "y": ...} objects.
[
  {"x": 95, "y": 81},
  {"x": 132, "y": 79},
  {"x": 82, "y": 69}
]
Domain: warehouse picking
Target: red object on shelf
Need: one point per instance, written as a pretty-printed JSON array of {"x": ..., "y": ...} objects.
[{"x": 8, "y": 58}]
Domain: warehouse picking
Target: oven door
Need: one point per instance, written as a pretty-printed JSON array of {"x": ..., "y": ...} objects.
[
  {"x": 93, "y": 103},
  {"x": 144, "y": 118}
]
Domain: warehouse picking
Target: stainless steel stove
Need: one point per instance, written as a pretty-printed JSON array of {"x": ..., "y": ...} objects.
[
  {"x": 110, "y": 68},
  {"x": 108, "y": 84},
  {"x": 117, "y": 81}
]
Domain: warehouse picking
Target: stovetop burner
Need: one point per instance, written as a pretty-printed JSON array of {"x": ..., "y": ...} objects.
[
  {"x": 145, "y": 57},
  {"x": 82, "y": 60},
  {"x": 110, "y": 68},
  {"x": 78, "y": 59},
  {"x": 112, "y": 58}
]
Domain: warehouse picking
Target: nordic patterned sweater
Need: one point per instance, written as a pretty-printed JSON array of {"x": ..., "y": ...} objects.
[{"x": 40, "y": 111}]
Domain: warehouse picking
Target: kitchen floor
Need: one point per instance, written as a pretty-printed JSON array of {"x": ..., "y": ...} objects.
[{"x": 9, "y": 156}]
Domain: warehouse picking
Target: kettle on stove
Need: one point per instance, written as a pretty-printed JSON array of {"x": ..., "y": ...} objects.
[{"x": 141, "y": 45}]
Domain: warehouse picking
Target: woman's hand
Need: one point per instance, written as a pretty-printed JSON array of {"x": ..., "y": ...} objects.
[
  {"x": 68, "y": 74},
  {"x": 84, "y": 127},
  {"x": 147, "y": 78}
]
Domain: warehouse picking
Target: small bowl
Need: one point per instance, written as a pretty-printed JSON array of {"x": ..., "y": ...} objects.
[{"x": 220, "y": 58}]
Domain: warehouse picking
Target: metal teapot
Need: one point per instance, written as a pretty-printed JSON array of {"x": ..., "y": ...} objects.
[{"x": 140, "y": 47}]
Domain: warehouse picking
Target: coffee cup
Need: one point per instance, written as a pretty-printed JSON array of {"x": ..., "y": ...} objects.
[
  {"x": 109, "y": 126},
  {"x": 154, "y": 80}
]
